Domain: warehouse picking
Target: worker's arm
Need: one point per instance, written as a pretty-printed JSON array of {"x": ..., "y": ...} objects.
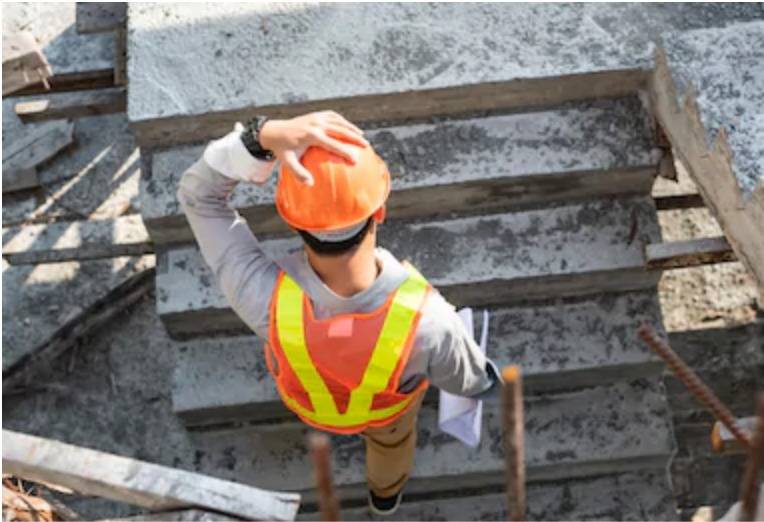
[
  {"x": 243, "y": 271},
  {"x": 456, "y": 363}
]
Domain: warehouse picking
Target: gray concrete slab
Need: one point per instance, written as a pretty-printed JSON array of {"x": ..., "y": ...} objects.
[
  {"x": 68, "y": 240},
  {"x": 577, "y": 249},
  {"x": 726, "y": 66},
  {"x": 188, "y": 61},
  {"x": 41, "y": 299},
  {"x": 607, "y": 429},
  {"x": 513, "y": 161},
  {"x": 560, "y": 346},
  {"x": 97, "y": 177},
  {"x": 121, "y": 382},
  {"x": 53, "y": 24},
  {"x": 628, "y": 496}
]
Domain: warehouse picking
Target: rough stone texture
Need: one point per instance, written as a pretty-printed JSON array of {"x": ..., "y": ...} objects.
[
  {"x": 53, "y": 24},
  {"x": 559, "y": 346},
  {"x": 726, "y": 66},
  {"x": 39, "y": 299},
  {"x": 97, "y": 177},
  {"x": 585, "y": 248},
  {"x": 189, "y": 61},
  {"x": 586, "y": 149},
  {"x": 629, "y": 496}
]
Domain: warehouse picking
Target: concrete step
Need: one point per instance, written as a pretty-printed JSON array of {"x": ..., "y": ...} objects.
[
  {"x": 607, "y": 429},
  {"x": 378, "y": 62},
  {"x": 643, "y": 495},
  {"x": 577, "y": 249},
  {"x": 586, "y": 150},
  {"x": 560, "y": 346}
]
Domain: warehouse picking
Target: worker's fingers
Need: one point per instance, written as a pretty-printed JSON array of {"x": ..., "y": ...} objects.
[
  {"x": 345, "y": 150},
  {"x": 293, "y": 162},
  {"x": 346, "y": 134},
  {"x": 340, "y": 120}
]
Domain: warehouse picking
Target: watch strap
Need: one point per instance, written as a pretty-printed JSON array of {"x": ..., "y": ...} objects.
[{"x": 250, "y": 137}]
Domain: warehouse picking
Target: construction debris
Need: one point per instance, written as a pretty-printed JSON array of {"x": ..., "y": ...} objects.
[
  {"x": 91, "y": 472},
  {"x": 24, "y": 63}
]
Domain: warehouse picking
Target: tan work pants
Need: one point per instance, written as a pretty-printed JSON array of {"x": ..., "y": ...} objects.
[{"x": 390, "y": 453}]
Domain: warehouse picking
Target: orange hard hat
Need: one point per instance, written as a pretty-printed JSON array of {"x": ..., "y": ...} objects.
[{"x": 343, "y": 194}]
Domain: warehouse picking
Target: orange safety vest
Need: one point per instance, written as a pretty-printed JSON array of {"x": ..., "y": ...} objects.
[{"x": 342, "y": 374}]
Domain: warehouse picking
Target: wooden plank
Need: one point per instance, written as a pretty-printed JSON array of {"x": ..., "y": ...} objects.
[
  {"x": 91, "y": 472},
  {"x": 76, "y": 240},
  {"x": 99, "y": 17},
  {"x": 79, "y": 81},
  {"x": 683, "y": 254},
  {"x": 34, "y": 148},
  {"x": 24, "y": 63},
  {"x": 73, "y": 105},
  {"x": 181, "y": 515},
  {"x": 711, "y": 169},
  {"x": 22, "y": 371},
  {"x": 679, "y": 201},
  {"x": 120, "y": 56}
]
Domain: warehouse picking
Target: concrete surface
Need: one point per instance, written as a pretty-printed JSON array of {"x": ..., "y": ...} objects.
[
  {"x": 510, "y": 161},
  {"x": 213, "y": 58},
  {"x": 560, "y": 346},
  {"x": 98, "y": 176},
  {"x": 53, "y": 24},
  {"x": 576, "y": 249},
  {"x": 122, "y": 381},
  {"x": 628, "y": 496},
  {"x": 726, "y": 66},
  {"x": 40, "y": 299},
  {"x": 75, "y": 240}
]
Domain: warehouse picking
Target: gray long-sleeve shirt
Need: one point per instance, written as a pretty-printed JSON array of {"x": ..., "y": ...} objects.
[{"x": 443, "y": 351}]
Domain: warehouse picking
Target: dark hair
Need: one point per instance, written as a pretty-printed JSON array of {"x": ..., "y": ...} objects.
[{"x": 335, "y": 248}]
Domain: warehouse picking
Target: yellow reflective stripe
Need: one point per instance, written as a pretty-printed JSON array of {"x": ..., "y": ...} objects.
[
  {"x": 390, "y": 343},
  {"x": 291, "y": 333},
  {"x": 384, "y": 359}
]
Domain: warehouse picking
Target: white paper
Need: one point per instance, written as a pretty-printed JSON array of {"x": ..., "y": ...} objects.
[{"x": 461, "y": 417}]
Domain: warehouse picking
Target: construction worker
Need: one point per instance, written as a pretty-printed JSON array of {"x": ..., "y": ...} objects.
[{"x": 354, "y": 337}]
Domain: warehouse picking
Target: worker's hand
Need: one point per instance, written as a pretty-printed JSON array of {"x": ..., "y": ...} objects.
[{"x": 288, "y": 139}]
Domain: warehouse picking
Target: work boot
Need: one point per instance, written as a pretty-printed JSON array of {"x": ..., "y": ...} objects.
[{"x": 384, "y": 506}]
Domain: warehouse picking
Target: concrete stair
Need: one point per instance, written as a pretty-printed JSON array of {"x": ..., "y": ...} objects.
[
  {"x": 594, "y": 431},
  {"x": 541, "y": 217},
  {"x": 630, "y": 496},
  {"x": 479, "y": 260},
  {"x": 505, "y": 162},
  {"x": 561, "y": 345}
]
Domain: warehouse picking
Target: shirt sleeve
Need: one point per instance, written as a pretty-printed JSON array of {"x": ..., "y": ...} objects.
[
  {"x": 456, "y": 363},
  {"x": 245, "y": 274}
]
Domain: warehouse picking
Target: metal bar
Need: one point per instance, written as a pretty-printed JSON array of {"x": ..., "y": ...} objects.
[
  {"x": 749, "y": 492},
  {"x": 320, "y": 452},
  {"x": 514, "y": 447},
  {"x": 690, "y": 379}
]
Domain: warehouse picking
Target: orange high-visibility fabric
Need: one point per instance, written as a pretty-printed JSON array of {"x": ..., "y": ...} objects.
[{"x": 338, "y": 352}]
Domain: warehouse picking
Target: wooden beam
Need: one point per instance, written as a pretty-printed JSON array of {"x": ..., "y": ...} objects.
[
  {"x": 723, "y": 441},
  {"x": 679, "y": 201},
  {"x": 22, "y": 371},
  {"x": 22, "y": 157},
  {"x": 76, "y": 240},
  {"x": 96, "y": 473},
  {"x": 100, "y": 17},
  {"x": 24, "y": 63},
  {"x": 79, "y": 81},
  {"x": 73, "y": 105},
  {"x": 710, "y": 168},
  {"x": 684, "y": 254}
]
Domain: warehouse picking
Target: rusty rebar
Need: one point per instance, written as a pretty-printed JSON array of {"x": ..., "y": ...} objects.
[
  {"x": 693, "y": 383},
  {"x": 749, "y": 491},
  {"x": 513, "y": 426},
  {"x": 320, "y": 453}
]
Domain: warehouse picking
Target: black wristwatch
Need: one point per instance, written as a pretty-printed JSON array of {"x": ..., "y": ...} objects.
[{"x": 250, "y": 137}]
